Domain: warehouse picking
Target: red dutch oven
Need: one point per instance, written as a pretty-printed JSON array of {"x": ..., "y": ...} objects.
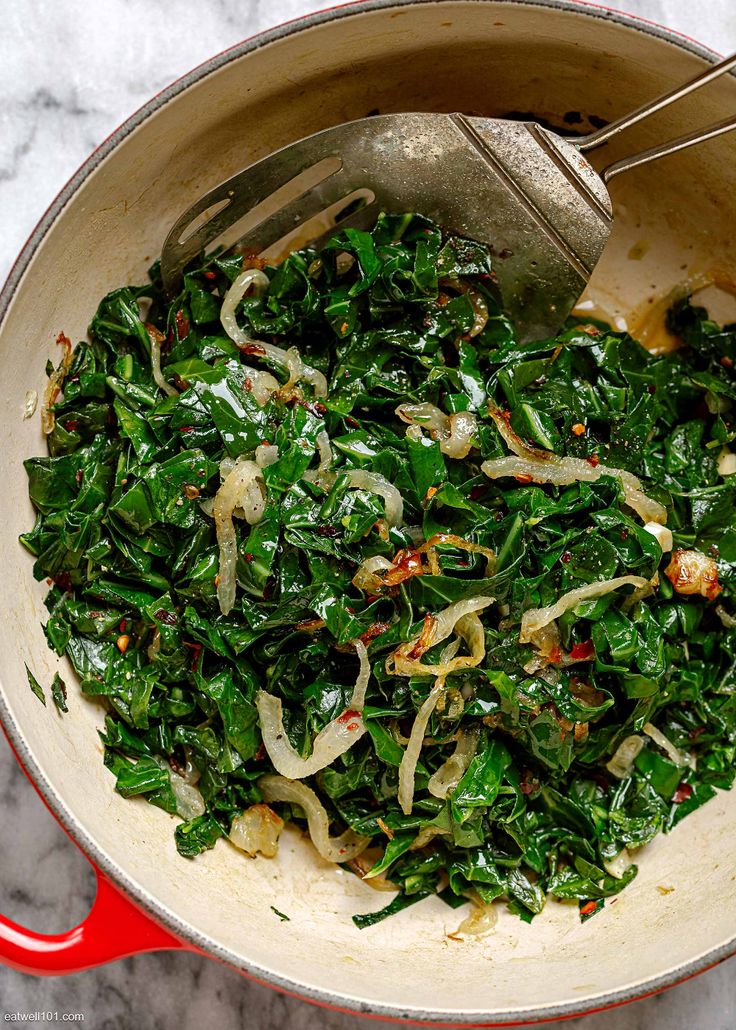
[{"x": 673, "y": 221}]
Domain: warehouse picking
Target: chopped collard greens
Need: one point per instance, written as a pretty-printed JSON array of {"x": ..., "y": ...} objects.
[{"x": 331, "y": 547}]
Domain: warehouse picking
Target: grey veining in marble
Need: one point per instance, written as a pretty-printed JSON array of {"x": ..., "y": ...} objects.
[{"x": 70, "y": 72}]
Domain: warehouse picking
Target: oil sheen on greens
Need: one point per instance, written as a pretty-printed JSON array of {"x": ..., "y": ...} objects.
[{"x": 130, "y": 551}]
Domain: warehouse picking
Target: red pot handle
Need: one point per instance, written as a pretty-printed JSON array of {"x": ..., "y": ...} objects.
[{"x": 114, "y": 928}]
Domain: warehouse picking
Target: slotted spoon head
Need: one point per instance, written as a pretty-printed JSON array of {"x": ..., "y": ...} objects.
[{"x": 515, "y": 186}]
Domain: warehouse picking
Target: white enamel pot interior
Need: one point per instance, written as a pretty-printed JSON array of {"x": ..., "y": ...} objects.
[{"x": 672, "y": 220}]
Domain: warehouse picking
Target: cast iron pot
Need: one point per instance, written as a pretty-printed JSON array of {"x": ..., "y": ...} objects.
[{"x": 484, "y": 56}]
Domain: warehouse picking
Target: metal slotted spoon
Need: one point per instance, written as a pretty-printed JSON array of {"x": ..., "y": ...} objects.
[{"x": 516, "y": 186}]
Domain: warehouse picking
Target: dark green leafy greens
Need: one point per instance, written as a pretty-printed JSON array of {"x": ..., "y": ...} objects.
[{"x": 395, "y": 317}]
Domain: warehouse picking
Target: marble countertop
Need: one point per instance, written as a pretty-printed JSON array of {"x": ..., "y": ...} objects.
[{"x": 70, "y": 72}]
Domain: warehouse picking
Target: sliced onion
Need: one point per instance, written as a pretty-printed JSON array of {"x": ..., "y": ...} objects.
[
  {"x": 157, "y": 339},
  {"x": 334, "y": 740},
  {"x": 266, "y": 454},
  {"x": 674, "y": 755},
  {"x": 189, "y": 801},
  {"x": 30, "y": 402},
  {"x": 241, "y": 489},
  {"x": 621, "y": 764},
  {"x": 360, "y": 479},
  {"x": 661, "y": 534},
  {"x": 618, "y": 865},
  {"x": 344, "y": 848},
  {"x": 408, "y": 766},
  {"x": 290, "y": 359},
  {"x": 191, "y": 772},
  {"x": 692, "y": 572},
  {"x": 251, "y": 277},
  {"x": 454, "y": 432},
  {"x": 325, "y": 451},
  {"x": 357, "y": 701},
  {"x": 482, "y": 920},
  {"x": 461, "y": 617},
  {"x": 260, "y": 383},
  {"x": 564, "y": 471},
  {"x": 640, "y": 593},
  {"x": 535, "y": 619},
  {"x": 426, "y": 415},
  {"x": 512, "y": 439},
  {"x": 449, "y": 774},
  {"x": 55, "y": 384},
  {"x": 727, "y": 620},
  {"x": 366, "y": 577},
  {"x": 726, "y": 462},
  {"x": 323, "y": 475},
  {"x": 463, "y": 428},
  {"x": 478, "y": 301},
  {"x": 377, "y": 573},
  {"x": 255, "y": 830},
  {"x": 425, "y": 835}
]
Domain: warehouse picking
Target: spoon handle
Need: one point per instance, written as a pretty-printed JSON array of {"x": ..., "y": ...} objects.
[
  {"x": 595, "y": 139},
  {"x": 681, "y": 143}
]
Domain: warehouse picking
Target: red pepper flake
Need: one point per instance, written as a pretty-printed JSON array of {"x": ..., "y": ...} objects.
[
  {"x": 578, "y": 429},
  {"x": 248, "y": 384},
  {"x": 352, "y": 422},
  {"x": 63, "y": 581},
  {"x": 310, "y": 625},
  {"x": 683, "y": 792},
  {"x": 248, "y": 557},
  {"x": 588, "y": 908},
  {"x": 523, "y": 477},
  {"x": 260, "y": 753},
  {"x": 79, "y": 475},
  {"x": 162, "y": 615},
  {"x": 726, "y": 361},
  {"x": 376, "y": 630},
  {"x": 593, "y": 460},
  {"x": 566, "y": 557},
  {"x": 344, "y": 327},
  {"x": 196, "y": 650},
  {"x": 123, "y": 624},
  {"x": 555, "y": 655},
  {"x": 424, "y": 639},
  {"x": 251, "y": 260},
  {"x": 313, "y": 407},
  {"x": 476, "y": 492},
  {"x": 327, "y": 531},
  {"x": 182, "y": 325},
  {"x": 251, "y": 348},
  {"x": 71, "y": 425},
  {"x": 526, "y": 788},
  {"x": 186, "y": 429},
  {"x": 347, "y": 716},
  {"x": 210, "y": 275},
  {"x": 697, "y": 732},
  {"x": 583, "y": 652}
]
